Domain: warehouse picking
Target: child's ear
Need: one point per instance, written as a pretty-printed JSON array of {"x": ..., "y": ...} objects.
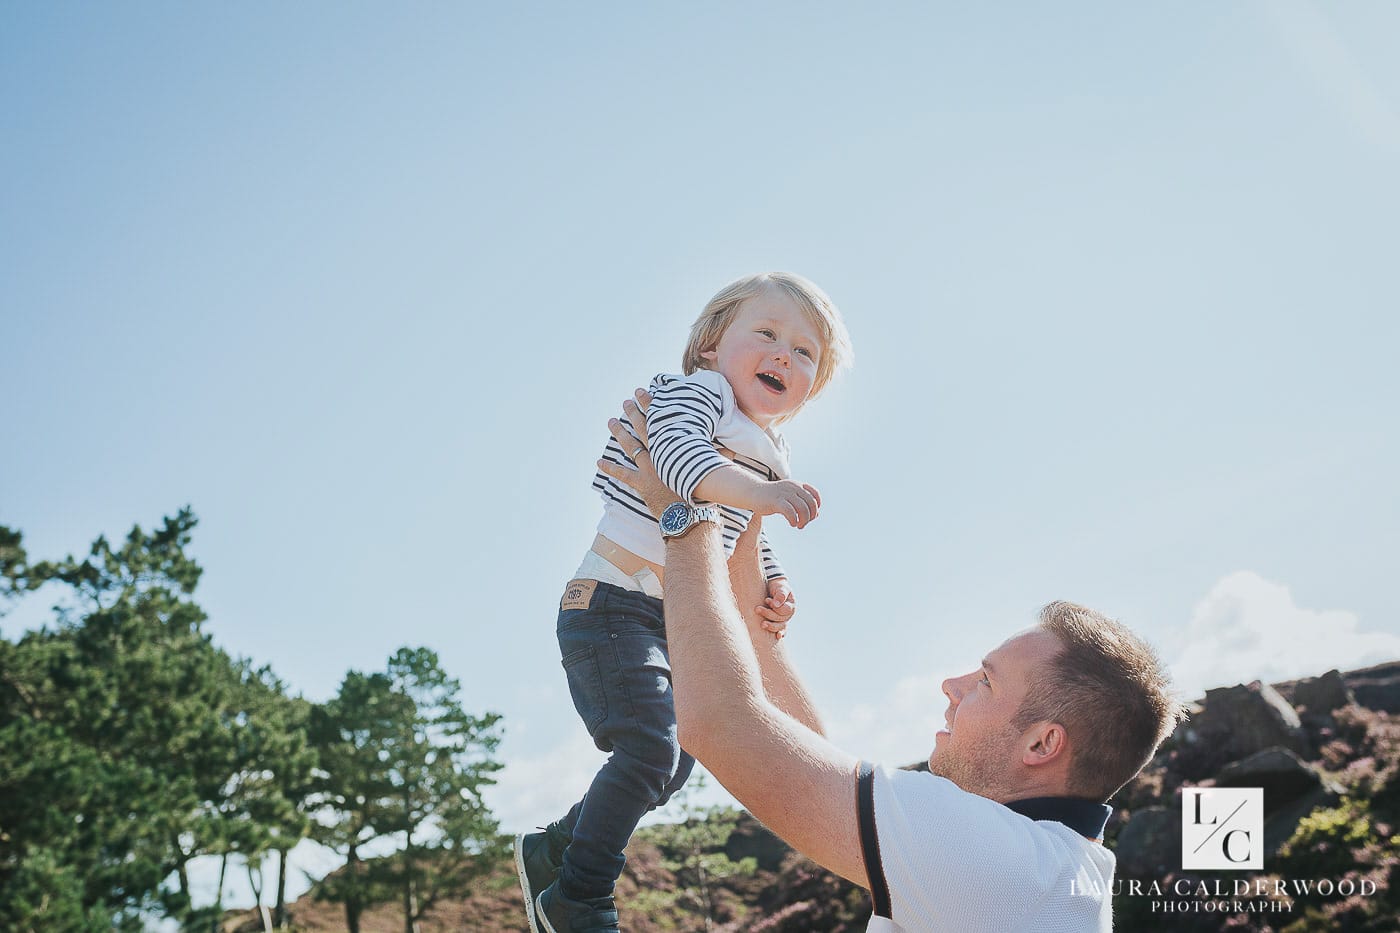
[{"x": 710, "y": 355}]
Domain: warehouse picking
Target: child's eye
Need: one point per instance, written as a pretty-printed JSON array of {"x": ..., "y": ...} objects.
[
  {"x": 805, "y": 352},
  {"x": 766, "y": 332}
]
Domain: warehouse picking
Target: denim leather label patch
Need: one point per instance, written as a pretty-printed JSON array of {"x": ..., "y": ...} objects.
[{"x": 578, "y": 594}]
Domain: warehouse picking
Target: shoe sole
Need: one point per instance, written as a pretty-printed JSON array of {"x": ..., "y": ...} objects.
[
  {"x": 545, "y": 925},
  {"x": 525, "y": 884}
]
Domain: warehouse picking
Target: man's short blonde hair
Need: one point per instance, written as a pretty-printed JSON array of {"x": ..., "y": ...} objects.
[
  {"x": 1109, "y": 690},
  {"x": 836, "y": 352}
]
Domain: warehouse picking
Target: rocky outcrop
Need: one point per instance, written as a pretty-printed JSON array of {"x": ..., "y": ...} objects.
[
  {"x": 1292, "y": 789},
  {"x": 1284, "y": 776},
  {"x": 1377, "y": 688},
  {"x": 1150, "y": 844},
  {"x": 751, "y": 839},
  {"x": 1319, "y": 696},
  {"x": 1234, "y": 723}
]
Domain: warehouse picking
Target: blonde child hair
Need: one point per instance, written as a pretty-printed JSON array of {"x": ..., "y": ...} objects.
[{"x": 719, "y": 313}]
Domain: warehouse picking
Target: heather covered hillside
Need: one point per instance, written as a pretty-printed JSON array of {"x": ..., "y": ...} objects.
[{"x": 1326, "y": 751}]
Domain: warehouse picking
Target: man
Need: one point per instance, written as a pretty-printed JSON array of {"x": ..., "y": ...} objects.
[{"x": 1005, "y": 832}]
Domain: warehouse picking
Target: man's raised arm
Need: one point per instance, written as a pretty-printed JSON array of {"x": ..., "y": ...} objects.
[
  {"x": 789, "y": 776},
  {"x": 780, "y": 681}
]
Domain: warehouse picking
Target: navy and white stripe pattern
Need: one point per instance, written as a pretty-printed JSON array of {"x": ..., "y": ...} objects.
[{"x": 689, "y": 418}]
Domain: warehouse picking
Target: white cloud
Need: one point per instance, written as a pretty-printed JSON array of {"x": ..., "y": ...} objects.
[
  {"x": 533, "y": 790},
  {"x": 896, "y": 729},
  {"x": 1249, "y": 628}
]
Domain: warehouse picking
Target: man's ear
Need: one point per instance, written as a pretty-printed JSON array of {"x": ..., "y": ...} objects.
[{"x": 1046, "y": 742}]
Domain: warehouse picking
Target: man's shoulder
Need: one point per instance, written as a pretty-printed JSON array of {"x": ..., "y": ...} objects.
[
  {"x": 920, "y": 798},
  {"x": 922, "y": 787},
  {"x": 955, "y": 856}
]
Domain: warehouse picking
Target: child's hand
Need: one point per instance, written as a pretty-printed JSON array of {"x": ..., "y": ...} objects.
[
  {"x": 778, "y": 609},
  {"x": 797, "y": 502}
]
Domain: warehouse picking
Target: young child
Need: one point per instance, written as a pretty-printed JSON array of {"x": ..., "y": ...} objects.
[{"x": 761, "y": 348}]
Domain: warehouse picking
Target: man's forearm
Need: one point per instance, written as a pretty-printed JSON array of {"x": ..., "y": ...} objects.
[
  {"x": 780, "y": 681},
  {"x": 716, "y": 677}
]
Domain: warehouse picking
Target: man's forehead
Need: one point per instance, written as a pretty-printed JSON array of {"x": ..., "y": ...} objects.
[{"x": 1023, "y": 651}]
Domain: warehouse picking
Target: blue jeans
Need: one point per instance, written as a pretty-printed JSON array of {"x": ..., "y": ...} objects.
[{"x": 614, "y": 653}]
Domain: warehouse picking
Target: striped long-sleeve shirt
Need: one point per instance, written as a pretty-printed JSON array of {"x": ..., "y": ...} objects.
[{"x": 689, "y": 419}]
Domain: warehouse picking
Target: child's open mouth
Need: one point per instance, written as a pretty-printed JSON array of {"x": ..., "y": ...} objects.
[{"x": 771, "y": 381}]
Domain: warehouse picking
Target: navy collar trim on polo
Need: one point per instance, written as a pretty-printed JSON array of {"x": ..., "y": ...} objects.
[{"x": 1083, "y": 816}]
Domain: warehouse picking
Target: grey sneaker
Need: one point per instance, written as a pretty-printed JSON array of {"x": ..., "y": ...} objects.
[
  {"x": 538, "y": 857},
  {"x": 559, "y": 914}
]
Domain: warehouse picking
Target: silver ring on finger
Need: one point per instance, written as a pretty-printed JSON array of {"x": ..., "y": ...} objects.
[{"x": 639, "y": 450}]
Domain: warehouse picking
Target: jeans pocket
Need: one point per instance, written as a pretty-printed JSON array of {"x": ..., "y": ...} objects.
[{"x": 586, "y": 687}]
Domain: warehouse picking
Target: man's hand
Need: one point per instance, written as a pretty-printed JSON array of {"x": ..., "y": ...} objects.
[
  {"x": 656, "y": 494},
  {"x": 777, "y": 610},
  {"x": 797, "y": 502}
]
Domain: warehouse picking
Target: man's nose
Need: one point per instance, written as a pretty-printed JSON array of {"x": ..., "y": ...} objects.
[{"x": 955, "y": 688}]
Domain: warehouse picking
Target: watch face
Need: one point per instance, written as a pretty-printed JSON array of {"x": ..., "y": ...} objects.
[{"x": 675, "y": 519}]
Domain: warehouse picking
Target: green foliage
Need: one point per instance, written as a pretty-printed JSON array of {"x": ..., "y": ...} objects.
[
  {"x": 110, "y": 717},
  {"x": 402, "y": 760},
  {"x": 14, "y": 565},
  {"x": 42, "y": 892},
  {"x": 694, "y": 849},
  {"x": 133, "y": 745},
  {"x": 1326, "y": 841}
]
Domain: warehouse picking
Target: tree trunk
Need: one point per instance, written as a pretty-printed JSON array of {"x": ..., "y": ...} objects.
[
  {"x": 216, "y": 920},
  {"x": 410, "y": 899},
  {"x": 352, "y": 896},
  {"x": 279, "y": 914},
  {"x": 255, "y": 879},
  {"x": 181, "y": 869}
]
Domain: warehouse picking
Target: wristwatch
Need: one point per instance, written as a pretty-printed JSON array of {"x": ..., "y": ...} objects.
[{"x": 680, "y": 518}]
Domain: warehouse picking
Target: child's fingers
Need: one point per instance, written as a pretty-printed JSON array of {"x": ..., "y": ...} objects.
[
  {"x": 797, "y": 511},
  {"x": 806, "y": 506},
  {"x": 816, "y": 496},
  {"x": 773, "y": 626}
]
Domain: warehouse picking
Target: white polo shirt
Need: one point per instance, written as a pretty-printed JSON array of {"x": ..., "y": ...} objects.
[{"x": 953, "y": 861}]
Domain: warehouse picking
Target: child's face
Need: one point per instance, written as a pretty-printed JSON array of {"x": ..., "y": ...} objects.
[{"x": 769, "y": 355}]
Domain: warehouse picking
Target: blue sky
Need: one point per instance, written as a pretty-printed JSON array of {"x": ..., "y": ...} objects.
[{"x": 361, "y": 284}]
